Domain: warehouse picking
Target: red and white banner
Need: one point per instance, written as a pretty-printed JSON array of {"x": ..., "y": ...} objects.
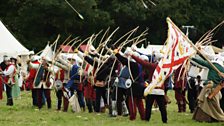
[{"x": 176, "y": 51}]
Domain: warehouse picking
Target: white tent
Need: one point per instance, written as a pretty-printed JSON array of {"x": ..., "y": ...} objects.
[{"x": 9, "y": 45}]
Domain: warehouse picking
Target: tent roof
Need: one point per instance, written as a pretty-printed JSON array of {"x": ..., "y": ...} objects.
[{"x": 9, "y": 44}]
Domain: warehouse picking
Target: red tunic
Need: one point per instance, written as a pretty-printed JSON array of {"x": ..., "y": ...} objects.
[
  {"x": 181, "y": 83},
  {"x": 11, "y": 76},
  {"x": 60, "y": 75},
  {"x": 32, "y": 74},
  {"x": 89, "y": 91},
  {"x": 148, "y": 66}
]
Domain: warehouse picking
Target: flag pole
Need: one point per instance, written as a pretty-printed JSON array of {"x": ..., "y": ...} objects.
[{"x": 199, "y": 51}]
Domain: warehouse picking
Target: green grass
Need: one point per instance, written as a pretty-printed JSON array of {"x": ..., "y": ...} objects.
[{"x": 23, "y": 114}]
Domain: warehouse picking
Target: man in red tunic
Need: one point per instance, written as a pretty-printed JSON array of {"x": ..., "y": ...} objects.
[
  {"x": 135, "y": 92},
  {"x": 59, "y": 77},
  {"x": 89, "y": 92},
  {"x": 2, "y": 68},
  {"x": 30, "y": 78},
  {"x": 180, "y": 89},
  {"x": 9, "y": 80},
  {"x": 157, "y": 94}
]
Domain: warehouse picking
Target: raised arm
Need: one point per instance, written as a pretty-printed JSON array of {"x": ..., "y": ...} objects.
[
  {"x": 141, "y": 61},
  {"x": 202, "y": 62},
  {"x": 91, "y": 61},
  {"x": 122, "y": 59}
]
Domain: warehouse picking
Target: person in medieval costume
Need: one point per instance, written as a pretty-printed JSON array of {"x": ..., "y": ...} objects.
[
  {"x": 157, "y": 93},
  {"x": 16, "y": 88},
  {"x": 74, "y": 83},
  {"x": 119, "y": 93},
  {"x": 199, "y": 84},
  {"x": 135, "y": 91},
  {"x": 9, "y": 80},
  {"x": 89, "y": 92},
  {"x": 208, "y": 109},
  {"x": 192, "y": 93},
  {"x": 42, "y": 83},
  {"x": 103, "y": 69},
  {"x": 29, "y": 79},
  {"x": 59, "y": 78},
  {"x": 180, "y": 82},
  {"x": 3, "y": 66},
  {"x": 213, "y": 75}
]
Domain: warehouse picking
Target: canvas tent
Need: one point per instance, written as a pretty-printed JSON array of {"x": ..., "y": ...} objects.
[{"x": 9, "y": 44}]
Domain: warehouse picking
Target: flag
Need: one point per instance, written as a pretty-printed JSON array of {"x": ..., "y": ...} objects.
[
  {"x": 47, "y": 53},
  {"x": 176, "y": 51}
]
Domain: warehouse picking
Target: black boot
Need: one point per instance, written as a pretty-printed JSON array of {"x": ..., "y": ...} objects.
[
  {"x": 89, "y": 105},
  {"x": 179, "y": 107},
  {"x": 65, "y": 104},
  {"x": 59, "y": 104},
  {"x": 9, "y": 102},
  {"x": 49, "y": 105}
]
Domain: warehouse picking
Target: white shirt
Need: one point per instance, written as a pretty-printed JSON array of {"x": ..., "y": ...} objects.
[{"x": 9, "y": 71}]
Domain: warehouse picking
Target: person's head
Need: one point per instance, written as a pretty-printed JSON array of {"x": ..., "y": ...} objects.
[
  {"x": 13, "y": 60},
  {"x": 72, "y": 60},
  {"x": 198, "y": 77},
  {"x": 6, "y": 60},
  {"x": 44, "y": 63},
  {"x": 210, "y": 84}
]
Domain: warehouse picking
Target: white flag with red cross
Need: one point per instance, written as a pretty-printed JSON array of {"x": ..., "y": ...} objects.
[{"x": 176, "y": 51}]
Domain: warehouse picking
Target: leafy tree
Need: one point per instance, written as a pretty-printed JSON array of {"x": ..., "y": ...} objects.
[{"x": 35, "y": 22}]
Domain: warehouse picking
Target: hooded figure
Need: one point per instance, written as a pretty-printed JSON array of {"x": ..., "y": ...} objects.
[
  {"x": 212, "y": 74},
  {"x": 209, "y": 110}
]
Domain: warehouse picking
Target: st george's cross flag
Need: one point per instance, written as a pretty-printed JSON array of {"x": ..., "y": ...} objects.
[{"x": 176, "y": 51}]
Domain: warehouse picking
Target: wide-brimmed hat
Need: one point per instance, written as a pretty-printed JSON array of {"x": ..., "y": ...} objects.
[{"x": 13, "y": 58}]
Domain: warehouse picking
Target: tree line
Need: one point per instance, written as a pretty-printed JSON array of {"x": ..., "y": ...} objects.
[{"x": 35, "y": 22}]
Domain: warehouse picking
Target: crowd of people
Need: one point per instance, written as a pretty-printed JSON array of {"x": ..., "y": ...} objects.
[{"x": 117, "y": 82}]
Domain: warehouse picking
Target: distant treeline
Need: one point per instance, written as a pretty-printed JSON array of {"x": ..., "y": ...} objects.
[{"x": 35, "y": 22}]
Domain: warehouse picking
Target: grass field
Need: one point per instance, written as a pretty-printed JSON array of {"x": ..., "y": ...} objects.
[{"x": 23, "y": 114}]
